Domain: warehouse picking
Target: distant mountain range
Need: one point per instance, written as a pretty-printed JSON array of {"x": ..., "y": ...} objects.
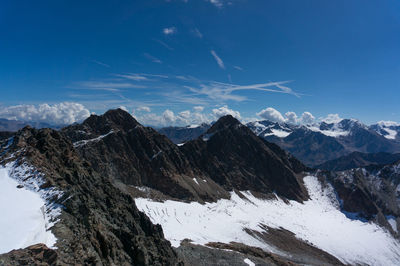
[
  {"x": 316, "y": 143},
  {"x": 180, "y": 135},
  {"x": 15, "y": 125}
]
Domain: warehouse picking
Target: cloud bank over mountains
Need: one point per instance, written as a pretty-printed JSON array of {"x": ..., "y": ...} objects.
[
  {"x": 65, "y": 113},
  {"x": 55, "y": 114}
]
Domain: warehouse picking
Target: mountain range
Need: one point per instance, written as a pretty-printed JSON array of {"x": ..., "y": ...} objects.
[
  {"x": 316, "y": 143},
  {"x": 115, "y": 192}
]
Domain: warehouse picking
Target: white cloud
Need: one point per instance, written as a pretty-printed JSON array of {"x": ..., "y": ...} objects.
[
  {"x": 218, "y": 59},
  {"x": 238, "y": 68},
  {"x": 123, "y": 108},
  {"x": 272, "y": 115},
  {"x": 198, "y": 108},
  {"x": 307, "y": 118},
  {"x": 169, "y": 116},
  {"x": 143, "y": 109},
  {"x": 56, "y": 114},
  {"x": 291, "y": 117},
  {"x": 217, "y": 3},
  {"x": 170, "y": 31},
  {"x": 331, "y": 118},
  {"x": 224, "y": 110}
]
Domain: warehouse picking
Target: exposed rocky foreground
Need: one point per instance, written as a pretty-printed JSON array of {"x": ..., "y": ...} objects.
[
  {"x": 99, "y": 224},
  {"x": 102, "y": 164}
]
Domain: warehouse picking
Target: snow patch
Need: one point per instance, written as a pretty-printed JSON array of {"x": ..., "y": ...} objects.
[
  {"x": 27, "y": 210},
  {"x": 318, "y": 221},
  {"x": 195, "y": 180},
  {"x": 393, "y": 223},
  {"x": 391, "y": 134},
  {"x": 249, "y": 262},
  {"x": 278, "y": 133},
  {"x": 156, "y": 155},
  {"x": 86, "y": 141},
  {"x": 207, "y": 137},
  {"x": 335, "y": 132}
]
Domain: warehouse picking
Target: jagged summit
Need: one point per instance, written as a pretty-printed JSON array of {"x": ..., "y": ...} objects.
[
  {"x": 233, "y": 158},
  {"x": 112, "y": 119},
  {"x": 224, "y": 122},
  {"x": 237, "y": 159}
]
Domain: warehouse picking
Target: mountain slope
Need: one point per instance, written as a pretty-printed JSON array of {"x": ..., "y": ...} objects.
[
  {"x": 98, "y": 224},
  {"x": 140, "y": 156},
  {"x": 237, "y": 159},
  {"x": 117, "y": 145}
]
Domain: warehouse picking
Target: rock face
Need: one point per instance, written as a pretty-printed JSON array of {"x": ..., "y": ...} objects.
[
  {"x": 99, "y": 224},
  {"x": 117, "y": 145},
  {"x": 33, "y": 255},
  {"x": 230, "y": 153},
  {"x": 358, "y": 159},
  {"x": 370, "y": 193},
  {"x": 232, "y": 158}
]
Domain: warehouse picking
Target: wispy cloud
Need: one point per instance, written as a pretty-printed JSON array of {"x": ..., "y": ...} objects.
[
  {"x": 218, "y": 59},
  {"x": 101, "y": 63},
  {"x": 197, "y": 33},
  {"x": 224, "y": 91},
  {"x": 140, "y": 76},
  {"x": 238, "y": 68},
  {"x": 217, "y": 3},
  {"x": 152, "y": 58},
  {"x": 135, "y": 77},
  {"x": 104, "y": 86},
  {"x": 164, "y": 44},
  {"x": 143, "y": 109},
  {"x": 170, "y": 31}
]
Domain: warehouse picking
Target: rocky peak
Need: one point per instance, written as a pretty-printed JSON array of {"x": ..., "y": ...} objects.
[
  {"x": 224, "y": 122},
  {"x": 116, "y": 119},
  {"x": 236, "y": 158}
]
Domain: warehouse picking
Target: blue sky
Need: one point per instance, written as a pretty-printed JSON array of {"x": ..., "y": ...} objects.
[{"x": 202, "y": 57}]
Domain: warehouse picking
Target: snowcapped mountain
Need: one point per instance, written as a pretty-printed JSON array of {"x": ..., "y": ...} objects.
[
  {"x": 388, "y": 129},
  {"x": 226, "y": 190},
  {"x": 317, "y": 143}
]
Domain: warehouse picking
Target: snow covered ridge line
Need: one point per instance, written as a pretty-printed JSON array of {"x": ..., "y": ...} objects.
[
  {"x": 30, "y": 206},
  {"x": 318, "y": 221}
]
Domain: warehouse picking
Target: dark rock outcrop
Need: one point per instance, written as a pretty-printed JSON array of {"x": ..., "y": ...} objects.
[
  {"x": 37, "y": 254},
  {"x": 235, "y": 158},
  {"x": 117, "y": 145},
  {"x": 99, "y": 224}
]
